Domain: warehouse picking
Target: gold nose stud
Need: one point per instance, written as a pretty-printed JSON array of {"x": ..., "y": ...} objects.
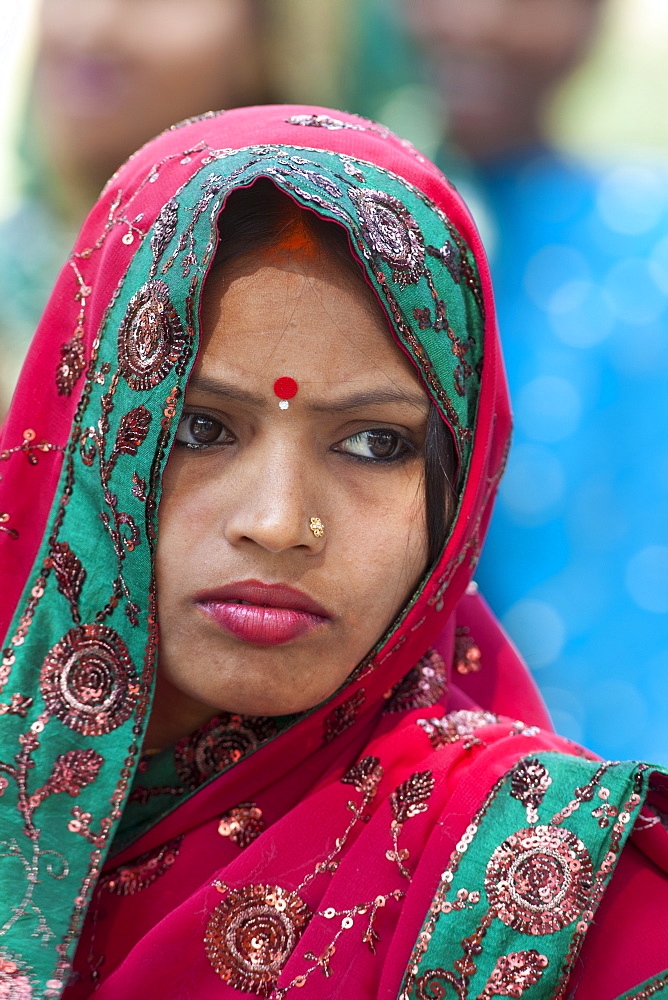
[{"x": 317, "y": 527}]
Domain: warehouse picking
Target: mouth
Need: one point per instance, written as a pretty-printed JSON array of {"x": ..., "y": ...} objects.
[{"x": 263, "y": 614}]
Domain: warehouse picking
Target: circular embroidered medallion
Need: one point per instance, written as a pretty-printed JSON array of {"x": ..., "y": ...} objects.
[
  {"x": 88, "y": 680},
  {"x": 128, "y": 879},
  {"x": 220, "y": 743},
  {"x": 392, "y": 232},
  {"x": 539, "y": 879},
  {"x": 251, "y": 935},
  {"x": 150, "y": 338}
]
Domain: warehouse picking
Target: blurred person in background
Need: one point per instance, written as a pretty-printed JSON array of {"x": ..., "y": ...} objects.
[
  {"x": 577, "y": 556},
  {"x": 108, "y": 76},
  {"x": 496, "y": 64}
]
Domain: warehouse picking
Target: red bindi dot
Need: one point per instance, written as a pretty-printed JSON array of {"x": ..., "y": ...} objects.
[{"x": 285, "y": 388}]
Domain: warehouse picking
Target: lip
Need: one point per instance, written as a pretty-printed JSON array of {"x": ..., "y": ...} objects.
[{"x": 271, "y": 613}]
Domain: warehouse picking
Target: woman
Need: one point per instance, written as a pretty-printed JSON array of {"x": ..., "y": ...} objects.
[{"x": 348, "y": 784}]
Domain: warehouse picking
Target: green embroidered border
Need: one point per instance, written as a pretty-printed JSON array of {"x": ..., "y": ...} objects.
[
  {"x": 554, "y": 825},
  {"x": 647, "y": 989}
]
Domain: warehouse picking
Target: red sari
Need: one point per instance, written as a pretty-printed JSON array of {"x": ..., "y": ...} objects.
[{"x": 322, "y": 853}]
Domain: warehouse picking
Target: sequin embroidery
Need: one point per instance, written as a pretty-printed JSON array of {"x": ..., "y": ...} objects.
[
  {"x": 216, "y": 746},
  {"x": 251, "y": 935},
  {"x": 243, "y": 824},
  {"x": 392, "y": 233},
  {"x": 538, "y": 880},
  {"x": 128, "y": 879},
  {"x": 343, "y": 716},
  {"x": 151, "y": 338},
  {"x": 15, "y": 982},
  {"x": 422, "y": 687},
  {"x": 88, "y": 680}
]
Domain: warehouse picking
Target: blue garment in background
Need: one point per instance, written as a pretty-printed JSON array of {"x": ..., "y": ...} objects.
[{"x": 576, "y": 561}]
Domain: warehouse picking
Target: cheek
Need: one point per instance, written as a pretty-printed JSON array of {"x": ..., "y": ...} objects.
[
  {"x": 388, "y": 553},
  {"x": 181, "y": 507}
]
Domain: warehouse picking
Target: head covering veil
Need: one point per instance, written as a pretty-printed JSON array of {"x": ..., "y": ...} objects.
[{"x": 267, "y": 854}]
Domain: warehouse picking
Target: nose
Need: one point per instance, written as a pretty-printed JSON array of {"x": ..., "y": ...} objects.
[{"x": 277, "y": 504}]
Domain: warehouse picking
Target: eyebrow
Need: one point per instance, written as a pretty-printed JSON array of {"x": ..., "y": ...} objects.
[
  {"x": 371, "y": 397},
  {"x": 218, "y": 387},
  {"x": 354, "y": 401}
]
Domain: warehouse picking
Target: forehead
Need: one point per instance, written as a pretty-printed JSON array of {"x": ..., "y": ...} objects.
[{"x": 308, "y": 318}]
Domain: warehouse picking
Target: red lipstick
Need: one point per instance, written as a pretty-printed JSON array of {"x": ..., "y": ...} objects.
[{"x": 264, "y": 614}]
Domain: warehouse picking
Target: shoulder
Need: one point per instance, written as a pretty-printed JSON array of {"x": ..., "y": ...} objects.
[
  {"x": 546, "y": 889},
  {"x": 627, "y": 943}
]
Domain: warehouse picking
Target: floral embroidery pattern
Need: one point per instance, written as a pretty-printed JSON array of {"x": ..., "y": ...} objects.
[
  {"x": 392, "y": 233},
  {"x": 409, "y": 799},
  {"x": 223, "y": 742},
  {"x": 72, "y": 771},
  {"x": 343, "y": 716},
  {"x": 467, "y": 653},
  {"x": 151, "y": 338},
  {"x": 243, "y": 824},
  {"x": 163, "y": 232},
  {"x": 131, "y": 878},
  {"x": 71, "y": 365},
  {"x": 455, "y": 726},
  {"x": 69, "y": 573},
  {"x": 529, "y": 782},
  {"x": 251, "y": 935},
  {"x": 422, "y": 687},
  {"x": 88, "y": 680},
  {"x": 365, "y": 775},
  {"x": 515, "y": 973}
]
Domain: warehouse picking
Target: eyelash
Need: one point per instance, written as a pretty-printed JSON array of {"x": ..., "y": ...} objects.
[
  {"x": 189, "y": 418},
  {"x": 403, "y": 449}
]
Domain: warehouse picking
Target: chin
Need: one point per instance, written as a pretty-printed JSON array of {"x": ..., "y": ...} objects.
[{"x": 256, "y": 704}]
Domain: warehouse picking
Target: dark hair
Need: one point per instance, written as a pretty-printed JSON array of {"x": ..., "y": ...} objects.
[{"x": 258, "y": 217}]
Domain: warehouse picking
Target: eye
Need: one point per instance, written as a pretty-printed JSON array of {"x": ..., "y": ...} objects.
[
  {"x": 200, "y": 430},
  {"x": 380, "y": 444}
]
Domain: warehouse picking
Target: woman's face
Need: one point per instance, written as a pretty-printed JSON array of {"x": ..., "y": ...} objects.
[
  {"x": 259, "y": 615},
  {"x": 113, "y": 73}
]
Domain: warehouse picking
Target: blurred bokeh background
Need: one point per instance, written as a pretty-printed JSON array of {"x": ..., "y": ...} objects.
[{"x": 550, "y": 116}]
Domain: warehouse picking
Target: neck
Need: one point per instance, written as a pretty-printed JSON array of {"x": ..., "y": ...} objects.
[{"x": 174, "y": 716}]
